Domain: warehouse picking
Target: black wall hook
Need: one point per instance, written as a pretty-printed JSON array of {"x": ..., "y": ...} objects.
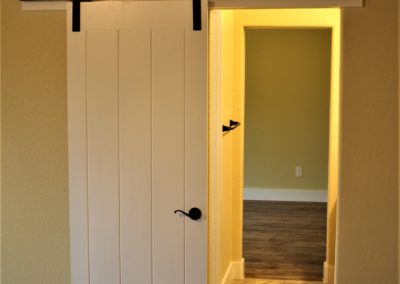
[{"x": 232, "y": 125}]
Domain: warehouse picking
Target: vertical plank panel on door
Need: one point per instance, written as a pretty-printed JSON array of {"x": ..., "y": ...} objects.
[
  {"x": 168, "y": 155},
  {"x": 103, "y": 164},
  {"x": 196, "y": 164},
  {"x": 77, "y": 157},
  {"x": 135, "y": 155}
]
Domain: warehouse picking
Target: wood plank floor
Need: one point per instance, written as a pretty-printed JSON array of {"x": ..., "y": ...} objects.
[{"x": 284, "y": 240}]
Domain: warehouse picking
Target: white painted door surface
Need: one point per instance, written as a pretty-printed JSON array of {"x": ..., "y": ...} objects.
[{"x": 137, "y": 114}]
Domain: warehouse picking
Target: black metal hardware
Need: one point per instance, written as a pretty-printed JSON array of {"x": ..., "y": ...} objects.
[
  {"x": 197, "y": 15},
  {"x": 232, "y": 125},
  {"x": 226, "y": 128},
  {"x": 76, "y": 15},
  {"x": 194, "y": 213}
]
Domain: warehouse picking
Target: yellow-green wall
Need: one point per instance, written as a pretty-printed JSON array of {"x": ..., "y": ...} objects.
[
  {"x": 287, "y": 108},
  {"x": 35, "y": 236},
  {"x": 368, "y": 196}
]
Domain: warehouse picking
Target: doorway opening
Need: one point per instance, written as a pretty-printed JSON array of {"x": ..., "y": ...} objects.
[
  {"x": 227, "y": 102},
  {"x": 287, "y": 81}
]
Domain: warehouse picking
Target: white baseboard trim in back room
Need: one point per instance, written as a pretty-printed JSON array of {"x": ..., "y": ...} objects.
[
  {"x": 235, "y": 270},
  {"x": 300, "y": 195}
]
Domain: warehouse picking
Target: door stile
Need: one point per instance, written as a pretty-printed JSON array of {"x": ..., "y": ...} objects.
[
  {"x": 196, "y": 145},
  {"x": 77, "y": 148}
]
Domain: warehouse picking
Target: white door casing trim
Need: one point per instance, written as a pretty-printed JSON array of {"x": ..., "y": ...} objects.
[
  {"x": 267, "y": 18},
  {"x": 276, "y": 4}
]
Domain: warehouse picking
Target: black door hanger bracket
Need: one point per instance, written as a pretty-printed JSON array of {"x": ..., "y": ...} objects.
[
  {"x": 197, "y": 15},
  {"x": 76, "y": 15}
]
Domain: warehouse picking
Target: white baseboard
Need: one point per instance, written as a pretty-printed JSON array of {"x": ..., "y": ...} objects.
[
  {"x": 301, "y": 195},
  {"x": 235, "y": 271},
  {"x": 329, "y": 273}
]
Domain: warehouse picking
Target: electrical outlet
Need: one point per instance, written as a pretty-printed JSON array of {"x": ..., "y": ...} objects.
[{"x": 299, "y": 171}]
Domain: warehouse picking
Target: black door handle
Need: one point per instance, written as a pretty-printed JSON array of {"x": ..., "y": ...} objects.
[
  {"x": 194, "y": 213},
  {"x": 232, "y": 125}
]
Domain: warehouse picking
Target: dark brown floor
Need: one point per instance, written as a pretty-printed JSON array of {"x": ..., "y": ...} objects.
[{"x": 284, "y": 240}]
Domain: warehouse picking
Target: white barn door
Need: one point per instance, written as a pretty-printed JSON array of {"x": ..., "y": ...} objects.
[{"x": 137, "y": 114}]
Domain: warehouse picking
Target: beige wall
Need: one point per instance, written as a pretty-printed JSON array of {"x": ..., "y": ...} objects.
[
  {"x": 35, "y": 238},
  {"x": 287, "y": 108},
  {"x": 368, "y": 198}
]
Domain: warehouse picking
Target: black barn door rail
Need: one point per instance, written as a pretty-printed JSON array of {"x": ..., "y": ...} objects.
[{"x": 76, "y": 15}]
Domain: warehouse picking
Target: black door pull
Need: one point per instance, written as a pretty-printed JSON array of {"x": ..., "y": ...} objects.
[
  {"x": 194, "y": 213},
  {"x": 232, "y": 125}
]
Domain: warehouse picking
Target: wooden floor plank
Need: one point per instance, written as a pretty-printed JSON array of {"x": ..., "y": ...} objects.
[{"x": 284, "y": 240}]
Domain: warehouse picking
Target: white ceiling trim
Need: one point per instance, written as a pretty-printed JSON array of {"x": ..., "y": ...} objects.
[
  {"x": 220, "y": 4},
  {"x": 260, "y": 4}
]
